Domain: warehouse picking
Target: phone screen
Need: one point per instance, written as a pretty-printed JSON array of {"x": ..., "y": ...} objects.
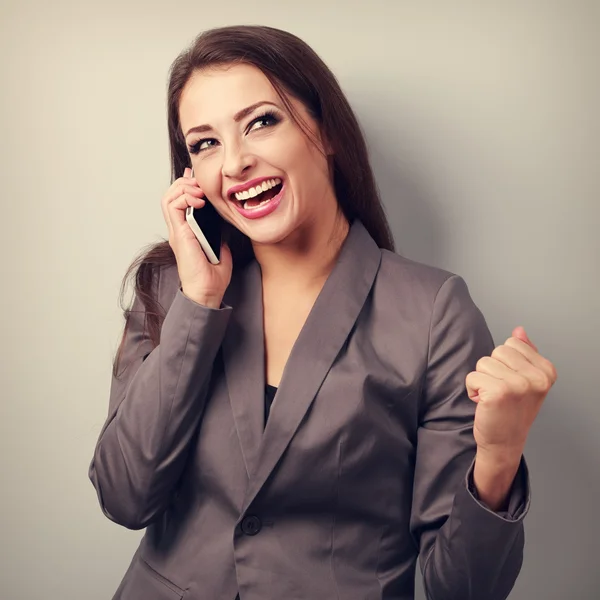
[{"x": 210, "y": 222}]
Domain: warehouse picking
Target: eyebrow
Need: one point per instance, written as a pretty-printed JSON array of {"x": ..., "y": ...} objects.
[{"x": 242, "y": 114}]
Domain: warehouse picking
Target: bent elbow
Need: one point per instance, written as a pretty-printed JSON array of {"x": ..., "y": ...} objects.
[
  {"x": 122, "y": 508},
  {"x": 134, "y": 518},
  {"x": 126, "y": 519}
]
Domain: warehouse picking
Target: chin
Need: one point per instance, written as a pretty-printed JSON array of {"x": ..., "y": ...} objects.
[{"x": 267, "y": 233}]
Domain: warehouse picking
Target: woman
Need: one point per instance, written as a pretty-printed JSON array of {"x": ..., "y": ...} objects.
[{"x": 307, "y": 417}]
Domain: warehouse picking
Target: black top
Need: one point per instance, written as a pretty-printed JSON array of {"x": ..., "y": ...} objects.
[{"x": 269, "y": 395}]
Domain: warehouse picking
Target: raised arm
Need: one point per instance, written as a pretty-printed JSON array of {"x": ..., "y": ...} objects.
[{"x": 467, "y": 551}]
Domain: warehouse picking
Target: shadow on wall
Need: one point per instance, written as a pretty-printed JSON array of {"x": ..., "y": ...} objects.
[
  {"x": 562, "y": 523},
  {"x": 560, "y": 528},
  {"x": 418, "y": 230}
]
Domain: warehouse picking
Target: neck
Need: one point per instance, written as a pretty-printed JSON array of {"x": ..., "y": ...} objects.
[{"x": 304, "y": 260}]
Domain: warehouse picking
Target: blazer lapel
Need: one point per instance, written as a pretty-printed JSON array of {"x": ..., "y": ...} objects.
[
  {"x": 329, "y": 323},
  {"x": 244, "y": 360}
]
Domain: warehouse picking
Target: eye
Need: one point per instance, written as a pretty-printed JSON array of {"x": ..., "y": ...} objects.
[
  {"x": 267, "y": 119},
  {"x": 201, "y": 145}
]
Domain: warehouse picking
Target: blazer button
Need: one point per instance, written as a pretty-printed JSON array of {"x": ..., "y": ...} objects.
[{"x": 251, "y": 525}]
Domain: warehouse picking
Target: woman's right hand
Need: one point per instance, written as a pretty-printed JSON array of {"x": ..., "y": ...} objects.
[{"x": 201, "y": 281}]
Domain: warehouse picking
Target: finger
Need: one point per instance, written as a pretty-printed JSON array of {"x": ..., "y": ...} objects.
[
  {"x": 512, "y": 358},
  {"x": 188, "y": 181},
  {"x": 493, "y": 368},
  {"x": 187, "y": 172},
  {"x": 520, "y": 333},
  {"x": 181, "y": 202},
  {"x": 177, "y": 207},
  {"x": 519, "y": 382},
  {"x": 481, "y": 386},
  {"x": 514, "y": 377},
  {"x": 177, "y": 190},
  {"x": 517, "y": 363},
  {"x": 534, "y": 357},
  {"x": 183, "y": 188},
  {"x": 225, "y": 258}
]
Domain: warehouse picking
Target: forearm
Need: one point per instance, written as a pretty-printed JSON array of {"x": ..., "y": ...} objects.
[
  {"x": 478, "y": 553},
  {"x": 493, "y": 476},
  {"x": 143, "y": 446}
]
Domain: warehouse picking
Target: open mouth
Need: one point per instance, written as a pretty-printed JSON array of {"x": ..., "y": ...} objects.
[{"x": 259, "y": 195}]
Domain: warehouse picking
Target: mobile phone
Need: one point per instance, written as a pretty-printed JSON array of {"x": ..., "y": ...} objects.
[{"x": 206, "y": 224}]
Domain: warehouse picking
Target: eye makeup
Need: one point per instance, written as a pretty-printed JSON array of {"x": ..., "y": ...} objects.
[{"x": 269, "y": 116}]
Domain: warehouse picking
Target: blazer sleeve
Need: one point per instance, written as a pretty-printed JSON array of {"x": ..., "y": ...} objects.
[
  {"x": 154, "y": 409},
  {"x": 467, "y": 551}
]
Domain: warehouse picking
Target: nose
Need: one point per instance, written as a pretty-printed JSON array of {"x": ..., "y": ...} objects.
[{"x": 236, "y": 161}]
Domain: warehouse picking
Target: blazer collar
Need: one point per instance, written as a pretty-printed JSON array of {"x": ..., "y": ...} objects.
[{"x": 329, "y": 323}]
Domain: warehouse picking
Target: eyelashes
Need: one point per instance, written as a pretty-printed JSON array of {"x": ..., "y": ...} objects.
[{"x": 269, "y": 117}]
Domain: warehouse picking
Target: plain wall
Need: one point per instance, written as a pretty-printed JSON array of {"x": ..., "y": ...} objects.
[{"x": 482, "y": 121}]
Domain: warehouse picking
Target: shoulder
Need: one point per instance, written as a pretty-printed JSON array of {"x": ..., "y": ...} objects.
[
  {"x": 426, "y": 295},
  {"x": 419, "y": 289},
  {"x": 399, "y": 274}
]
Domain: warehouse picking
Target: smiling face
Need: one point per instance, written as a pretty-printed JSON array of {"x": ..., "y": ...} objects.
[{"x": 242, "y": 140}]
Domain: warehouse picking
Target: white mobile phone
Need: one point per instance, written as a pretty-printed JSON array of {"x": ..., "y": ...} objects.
[{"x": 206, "y": 224}]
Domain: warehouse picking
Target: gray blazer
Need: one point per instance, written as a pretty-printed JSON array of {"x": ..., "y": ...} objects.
[{"x": 365, "y": 463}]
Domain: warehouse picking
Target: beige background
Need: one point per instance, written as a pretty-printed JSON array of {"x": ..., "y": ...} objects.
[{"x": 482, "y": 119}]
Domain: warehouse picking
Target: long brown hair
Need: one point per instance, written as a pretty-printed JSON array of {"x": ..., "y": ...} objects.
[{"x": 293, "y": 68}]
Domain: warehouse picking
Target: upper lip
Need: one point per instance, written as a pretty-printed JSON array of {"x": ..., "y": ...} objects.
[{"x": 246, "y": 186}]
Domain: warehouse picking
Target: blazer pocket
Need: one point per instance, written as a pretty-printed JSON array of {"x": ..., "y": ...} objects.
[{"x": 142, "y": 582}]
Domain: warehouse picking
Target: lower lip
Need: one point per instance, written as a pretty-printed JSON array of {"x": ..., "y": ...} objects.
[{"x": 264, "y": 210}]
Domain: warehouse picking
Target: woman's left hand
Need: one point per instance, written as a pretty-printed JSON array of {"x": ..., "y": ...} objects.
[{"x": 509, "y": 388}]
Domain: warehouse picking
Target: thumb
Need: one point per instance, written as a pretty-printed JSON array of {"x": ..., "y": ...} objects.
[
  {"x": 520, "y": 333},
  {"x": 226, "y": 258}
]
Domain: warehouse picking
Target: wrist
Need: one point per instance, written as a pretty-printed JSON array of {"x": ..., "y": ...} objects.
[
  {"x": 207, "y": 300},
  {"x": 493, "y": 476},
  {"x": 499, "y": 458}
]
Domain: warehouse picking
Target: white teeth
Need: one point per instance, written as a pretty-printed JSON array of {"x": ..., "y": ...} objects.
[
  {"x": 259, "y": 189},
  {"x": 253, "y": 207}
]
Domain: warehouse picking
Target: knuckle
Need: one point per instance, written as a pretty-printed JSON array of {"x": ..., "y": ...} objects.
[
  {"x": 498, "y": 352},
  {"x": 543, "y": 382},
  {"x": 504, "y": 388},
  {"x": 482, "y": 362},
  {"x": 523, "y": 385},
  {"x": 552, "y": 370},
  {"x": 470, "y": 377},
  {"x": 547, "y": 382}
]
